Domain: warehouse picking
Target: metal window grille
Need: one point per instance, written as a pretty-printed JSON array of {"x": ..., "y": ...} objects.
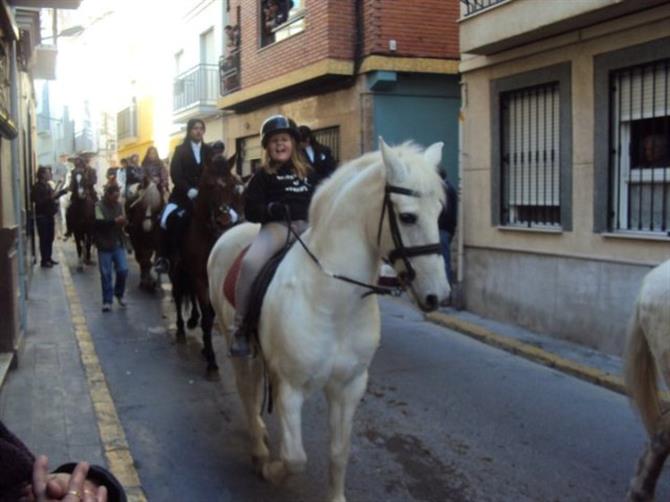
[
  {"x": 249, "y": 153},
  {"x": 474, "y": 6},
  {"x": 330, "y": 137},
  {"x": 639, "y": 170},
  {"x": 530, "y": 142}
]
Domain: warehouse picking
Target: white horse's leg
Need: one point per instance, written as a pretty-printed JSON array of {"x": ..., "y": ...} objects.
[
  {"x": 342, "y": 400},
  {"x": 249, "y": 379},
  {"x": 292, "y": 454}
]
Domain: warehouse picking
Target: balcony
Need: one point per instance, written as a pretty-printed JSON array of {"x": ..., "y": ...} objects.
[
  {"x": 195, "y": 92},
  {"x": 490, "y": 26},
  {"x": 126, "y": 124},
  {"x": 229, "y": 73}
]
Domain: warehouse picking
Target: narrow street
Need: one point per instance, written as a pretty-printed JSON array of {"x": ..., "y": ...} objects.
[{"x": 445, "y": 418}]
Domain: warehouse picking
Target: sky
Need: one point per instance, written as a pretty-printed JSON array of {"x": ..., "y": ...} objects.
[{"x": 125, "y": 50}]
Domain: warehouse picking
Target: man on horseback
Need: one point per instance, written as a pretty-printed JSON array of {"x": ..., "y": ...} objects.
[
  {"x": 186, "y": 169},
  {"x": 82, "y": 185},
  {"x": 280, "y": 190}
]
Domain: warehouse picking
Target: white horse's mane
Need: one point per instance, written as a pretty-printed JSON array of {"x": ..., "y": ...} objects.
[{"x": 422, "y": 177}]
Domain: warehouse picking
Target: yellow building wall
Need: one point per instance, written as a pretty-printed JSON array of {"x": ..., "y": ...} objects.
[{"x": 145, "y": 131}]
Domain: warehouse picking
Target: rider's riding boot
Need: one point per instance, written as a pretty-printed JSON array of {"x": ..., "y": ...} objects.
[
  {"x": 162, "y": 263},
  {"x": 241, "y": 345}
]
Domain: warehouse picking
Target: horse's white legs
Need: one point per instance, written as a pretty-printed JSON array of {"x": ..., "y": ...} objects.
[
  {"x": 292, "y": 454},
  {"x": 249, "y": 379},
  {"x": 342, "y": 400}
]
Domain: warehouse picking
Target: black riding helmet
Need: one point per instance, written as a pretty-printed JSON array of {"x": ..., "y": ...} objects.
[{"x": 275, "y": 124}]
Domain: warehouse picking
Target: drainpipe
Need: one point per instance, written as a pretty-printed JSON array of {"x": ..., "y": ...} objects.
[
  {"x": 16, "y": 185},
  {"x": 459, "y": 297}
]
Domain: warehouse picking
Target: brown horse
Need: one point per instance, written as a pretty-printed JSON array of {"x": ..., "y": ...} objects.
[
  {"x": 216, "y": 209},
  {"x": 143, "y": 229},
  {"x": 81, "y": 212}
]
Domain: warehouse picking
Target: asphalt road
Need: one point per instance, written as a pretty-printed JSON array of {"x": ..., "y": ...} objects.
[{"x": 445, "y": 418}]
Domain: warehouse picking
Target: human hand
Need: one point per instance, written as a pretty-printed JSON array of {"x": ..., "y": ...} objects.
[
  {"x": 120, "y": 220},
  {"x": 192, "y": 193},
  {"x": 64, "y": 487}
]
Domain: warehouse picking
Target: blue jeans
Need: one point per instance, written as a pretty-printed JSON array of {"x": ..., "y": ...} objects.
[
  {"x": 445, "y": 240},
  {"x": 117, "y": 259}
]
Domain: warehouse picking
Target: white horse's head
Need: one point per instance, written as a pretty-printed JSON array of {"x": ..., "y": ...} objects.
[{"x": 409, "y": 234}]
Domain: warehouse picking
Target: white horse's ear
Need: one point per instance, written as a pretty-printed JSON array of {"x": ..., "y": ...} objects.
[
  {"x": 396, "y": 171},
  {"x": 433, "y": 153}
]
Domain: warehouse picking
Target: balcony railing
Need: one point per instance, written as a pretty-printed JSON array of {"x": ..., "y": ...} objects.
[
  {"x": 126, "y": 123},
  {"x": 196, "y": 87},
  {"x": 229, "y": 72},
  {"x": 474, "y": 6}
]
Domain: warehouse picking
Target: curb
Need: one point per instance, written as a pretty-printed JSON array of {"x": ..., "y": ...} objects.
[
  {"x": 112, "y": 436},
  {"x": 530, "y": 352}
]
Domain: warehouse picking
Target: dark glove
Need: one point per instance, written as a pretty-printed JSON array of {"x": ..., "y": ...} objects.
[
  {"x": 62, "y": 192},
  {"x": 277, "y": 210}
]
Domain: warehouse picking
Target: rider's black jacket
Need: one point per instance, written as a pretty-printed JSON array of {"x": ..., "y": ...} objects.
[
  {"x": 282, "y": 186},
  {"x": 186, "y": 172}
]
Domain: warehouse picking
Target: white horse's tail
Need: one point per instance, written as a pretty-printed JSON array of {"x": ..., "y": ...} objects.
[{"x": 641, "y": 375}]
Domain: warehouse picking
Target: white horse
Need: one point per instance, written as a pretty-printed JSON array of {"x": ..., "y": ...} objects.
[
  {"x": 648, "y": 352},
  {"x": 318, "y": 332}
]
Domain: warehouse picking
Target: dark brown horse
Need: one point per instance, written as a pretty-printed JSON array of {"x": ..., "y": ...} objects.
[
  {"x": 216, "y": 209},
  {"x": 81, "y": 212},
  {"x": 143, "y": 229}
]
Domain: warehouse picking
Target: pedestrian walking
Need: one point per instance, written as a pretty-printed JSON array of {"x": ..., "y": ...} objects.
[
  {"x": 46, "y": 207},
  {"x": 109, "y": 222},
  {"x": 447, "y": 225}
]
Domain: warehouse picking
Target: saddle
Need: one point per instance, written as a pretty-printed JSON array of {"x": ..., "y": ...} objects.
[{"x": 258, "y": 288}]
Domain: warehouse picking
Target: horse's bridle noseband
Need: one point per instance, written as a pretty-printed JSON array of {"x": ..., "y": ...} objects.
[{"x": 401, "y": 251}]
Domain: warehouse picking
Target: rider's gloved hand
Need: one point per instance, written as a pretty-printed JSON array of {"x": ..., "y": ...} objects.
[
  {"x": 192, "y": 193},
  {"x": 277, "y": 210}
]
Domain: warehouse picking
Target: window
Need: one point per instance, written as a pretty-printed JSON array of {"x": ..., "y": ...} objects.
[
  {"x": 530, "y": 156},
  {"x": 249, "y": 153},
  {"x": 532, "y": 149},
  {"x": 329, "y": 137},
  {"x": 639, "y": 166},
  {"x": 280, "y": 19}
]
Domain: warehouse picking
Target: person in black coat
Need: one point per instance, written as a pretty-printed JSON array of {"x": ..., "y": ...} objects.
[
  {"x": 447, "y": 224},
  {"x": 46, "y": 207},
  {"x": 188, "y": 163},
  {"x": 319, "y": 156}
]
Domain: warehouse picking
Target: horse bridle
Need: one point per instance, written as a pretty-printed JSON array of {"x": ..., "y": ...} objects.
[{"x": 399, "y": 252}]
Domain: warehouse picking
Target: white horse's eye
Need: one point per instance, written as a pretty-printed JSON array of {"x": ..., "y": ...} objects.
[{"x": 407, "y": 218}]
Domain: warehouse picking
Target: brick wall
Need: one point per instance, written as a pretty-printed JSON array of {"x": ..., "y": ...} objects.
[
  {"x": 427, "y": 28},
  {"x": 421, "y": 29}
]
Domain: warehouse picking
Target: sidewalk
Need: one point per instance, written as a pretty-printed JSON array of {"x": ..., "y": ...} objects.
[
  {"x": 45, "y": 401},
  {"x": 582, "y": 362}
]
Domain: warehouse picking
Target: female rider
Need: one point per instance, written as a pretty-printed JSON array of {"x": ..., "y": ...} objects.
[{"x": 281, "y": 189}]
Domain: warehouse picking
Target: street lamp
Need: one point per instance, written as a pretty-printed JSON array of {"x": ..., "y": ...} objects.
[{"x": 72, "y": 31}]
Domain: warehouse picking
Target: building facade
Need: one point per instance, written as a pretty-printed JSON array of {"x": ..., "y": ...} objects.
[
  {"x": 195, "y": 57},
  {"x": 19, "y": 41},
  {"x": 565, "y": 161},
  {"x": 350, "y": 70}
]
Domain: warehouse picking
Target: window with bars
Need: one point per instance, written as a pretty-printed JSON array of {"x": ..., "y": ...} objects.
[
  {"x": 249, "y": 154},
  {"x": 639, "y": 164},
  {"x": 530, "y": 163},
  {"x": 330, "y": 137}
]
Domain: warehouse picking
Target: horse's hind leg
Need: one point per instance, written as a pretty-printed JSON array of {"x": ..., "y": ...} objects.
[
  {"x": 208, "y": 349},
  {"x": 80, "y": 251},
  {"x": 643, "y": 485},
  {"x": 249, "y": 380},
  {"x": 177, "y": 296},
  {"x": 342, "y": 400},
  {"x": 192, "y": 322},
  {"x": 292, "y": 454}
]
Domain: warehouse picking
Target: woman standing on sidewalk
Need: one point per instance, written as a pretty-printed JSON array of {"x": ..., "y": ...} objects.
[
  {"x": 109, "y": 222},
  {"x": 46, "y": 207}
]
